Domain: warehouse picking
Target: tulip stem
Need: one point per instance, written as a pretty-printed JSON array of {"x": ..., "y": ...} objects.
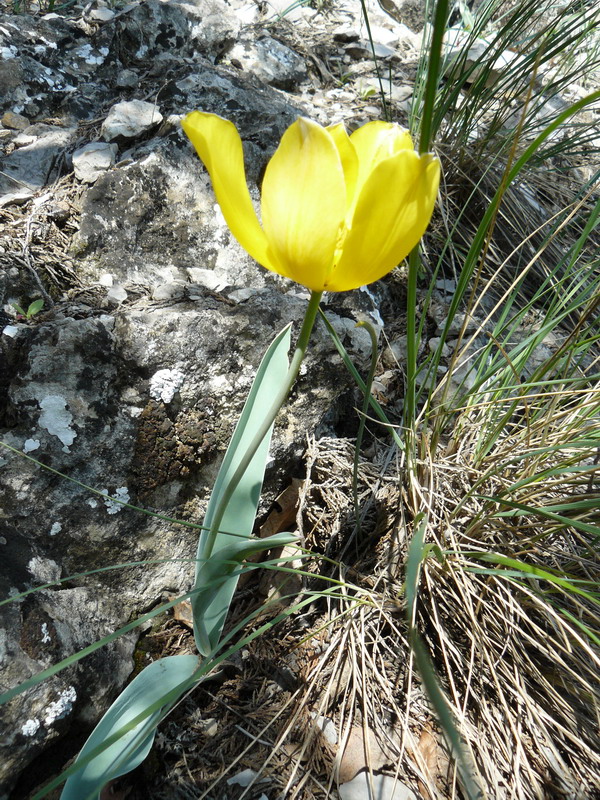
[{"x": 269, "y": 419}]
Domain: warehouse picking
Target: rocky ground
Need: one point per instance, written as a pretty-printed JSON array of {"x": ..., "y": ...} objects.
[{"x": 130, "y": 377}]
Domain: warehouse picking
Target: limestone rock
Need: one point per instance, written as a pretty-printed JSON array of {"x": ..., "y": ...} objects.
[
  {"x": 116, "y": 295},
  {"x": 102, "y": 14},
  {"x": 376, "y": 787},
  {"x": 32, "y": 166},
  {"x": 128, "y": 120},
  {"x": 177, "y": 29},
  {"x": 16, "y": 121},
  {"x": 363, "y": 49},
  {"x": 477, "y": 60},
  {"x": 270, "y": 60},
  {"x": 150, "y": 221},
  {"x": 127, "y": 79},
  {"x": 91, "y": 160},
  {"x": 33, "y": 72}
]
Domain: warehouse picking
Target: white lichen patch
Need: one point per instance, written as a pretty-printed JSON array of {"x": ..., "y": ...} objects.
[
  {"x": 45, "y": 633},
  {"x": 122, "y": 494},
  {"x": 165, "y": 383},
  {"x": 86, "y": 52},
  {"x": 43, "y": 570},
  {"x": 57, "y": 419},
  {"x": 56, "y": 528},
  {"x": 55, "y": 711},
  {"x": 29, "y": 445},
  {"x": 220, "y": 385},
  {"x": 61, "y": 707},
  {"x": 31, "y": 727}
]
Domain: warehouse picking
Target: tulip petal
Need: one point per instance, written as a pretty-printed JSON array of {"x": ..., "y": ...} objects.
[
  {"x": 348, "y": 157},
  {"x": 377, "y": 141},
  {"x": 304, "y": 203},
  {"x": 219, "y": 146},
  {"x": 392, "y": 212}
]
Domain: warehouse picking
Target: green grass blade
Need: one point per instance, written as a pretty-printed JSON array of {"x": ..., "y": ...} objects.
[
  {"x": 433, "y": 74},
  {"x": 444, "y": 715},
  {"x": 14, "y": 598},
  {"x": 522, "y": 569},
  {"x": 520, "y": 509},
  {"x": 97, "y": 492},
  {"x": 414, "y": 259},
  {"x": 49, "y": 672},
  {"x": 365, "y": 14},
  {"x": 363, "y": 416},
  {"x": 377, "y": 409},
  {"x": 592, "y": 636},
  {"x": 416, "y": 555}
]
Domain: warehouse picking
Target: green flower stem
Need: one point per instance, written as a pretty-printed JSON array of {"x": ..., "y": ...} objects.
[{"x": 280, "y": 398}]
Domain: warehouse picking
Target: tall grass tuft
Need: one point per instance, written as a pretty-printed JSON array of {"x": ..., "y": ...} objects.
[{"x": 504, "y": 427}]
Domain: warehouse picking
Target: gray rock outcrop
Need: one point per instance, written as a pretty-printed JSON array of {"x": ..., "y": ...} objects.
[{"x": 131, "y": 378}]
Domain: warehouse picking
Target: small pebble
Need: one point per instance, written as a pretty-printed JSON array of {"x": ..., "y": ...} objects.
[{"x": 17, "y": 122}]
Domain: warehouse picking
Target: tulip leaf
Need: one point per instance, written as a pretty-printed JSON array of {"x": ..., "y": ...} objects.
[
  {"x": 121, "y": 740},
  {"x": 220, "y": 574},
  {"x": 235, "y": 527}
]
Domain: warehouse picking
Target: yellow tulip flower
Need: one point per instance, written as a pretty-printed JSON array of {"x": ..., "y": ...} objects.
[{"x": 337, "y": 211}]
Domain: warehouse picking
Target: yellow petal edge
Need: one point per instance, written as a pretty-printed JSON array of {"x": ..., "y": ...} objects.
[{"x": 219, "y": 146}]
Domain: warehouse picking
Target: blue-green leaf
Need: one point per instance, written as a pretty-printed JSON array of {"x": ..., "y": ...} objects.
[
  {"x": 123, "y": 737},
  {"x": 238, "y": 520},
  {"x": 223, "y": 570}
]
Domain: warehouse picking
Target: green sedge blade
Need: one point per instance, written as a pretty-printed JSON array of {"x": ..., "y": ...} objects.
[
  {"x": 240, "y": 514},
  {"x": 35, "y": 308}
]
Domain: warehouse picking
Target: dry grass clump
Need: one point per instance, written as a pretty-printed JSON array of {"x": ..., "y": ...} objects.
[
  {"x": 509, "y": 644},
  {"x": 513, "y": 649}
]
